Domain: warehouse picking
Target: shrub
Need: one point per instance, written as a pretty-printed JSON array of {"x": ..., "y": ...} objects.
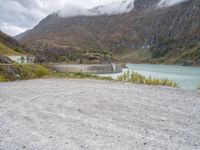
[
  {"x": 17, "y": 49},
  {"x": 22, "y": 72},
  {"x": 34, "y": 71},
  {"x": 41, "y": 71},
  {"x": 2, "y": 79},
  {"x": 134, "y": 77}
]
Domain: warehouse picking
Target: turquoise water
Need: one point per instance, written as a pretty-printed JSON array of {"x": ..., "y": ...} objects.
[{"x": 185, "y": 77}]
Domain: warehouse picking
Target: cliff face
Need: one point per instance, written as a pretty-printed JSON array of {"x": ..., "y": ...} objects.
[{"x": 147, "y": 33}]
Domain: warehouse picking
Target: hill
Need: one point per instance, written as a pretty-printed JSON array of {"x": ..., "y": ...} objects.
[
  {"x": 8, "y": 40},
  {"x": 150, "y": 31},
  {"x": 9, "y": 47},
  {"x": 4, "y": 50}
]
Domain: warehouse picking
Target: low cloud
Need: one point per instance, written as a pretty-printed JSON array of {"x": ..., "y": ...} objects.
[
  {"x": 167, "y": 3},
  {"x": 109, "y": 9},
  {"x": 12, "y": 29},
  {"x": 16, "y": 16}
]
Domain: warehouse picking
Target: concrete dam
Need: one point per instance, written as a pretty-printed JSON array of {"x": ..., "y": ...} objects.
[{"x": 87, "y": 68}]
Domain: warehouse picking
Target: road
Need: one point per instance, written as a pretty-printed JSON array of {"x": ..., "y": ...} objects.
[{"x": 60, "y": 114}]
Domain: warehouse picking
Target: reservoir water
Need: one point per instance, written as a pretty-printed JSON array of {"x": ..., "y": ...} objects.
[{"x": 185, "y": 77}]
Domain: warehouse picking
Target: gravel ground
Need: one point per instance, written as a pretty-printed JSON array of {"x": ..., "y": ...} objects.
[{"x": 60, "y": 114}]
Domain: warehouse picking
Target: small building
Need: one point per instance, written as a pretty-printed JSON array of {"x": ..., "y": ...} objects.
[{"x": 22, "y": 59}]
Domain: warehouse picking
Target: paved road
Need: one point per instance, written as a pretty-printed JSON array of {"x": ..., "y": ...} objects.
[{"x": 58, "y": 114}]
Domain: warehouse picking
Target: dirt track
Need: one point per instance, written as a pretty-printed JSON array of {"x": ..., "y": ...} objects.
[{"x": 58, "y": 114}]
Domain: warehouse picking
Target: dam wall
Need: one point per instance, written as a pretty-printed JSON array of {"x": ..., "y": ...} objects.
[{"x": 87, "y": 68}]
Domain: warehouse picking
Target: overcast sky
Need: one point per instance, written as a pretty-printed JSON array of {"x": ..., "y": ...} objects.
[{"x": 16, "y": 16}]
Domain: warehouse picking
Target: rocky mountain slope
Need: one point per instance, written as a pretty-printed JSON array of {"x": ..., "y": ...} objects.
[
  {"x": 8, "y": 40},
  {"x": 150, "y": 31}
]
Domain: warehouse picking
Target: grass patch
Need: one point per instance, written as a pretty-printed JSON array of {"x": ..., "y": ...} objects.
[
  {"x": 131, "y": 77},
  {"x": 16, "y": 71},
  {"x": 3, "y": 79},
  {"x": 134, "y": 77},
  {"x": 79, "y": 75},
  {"x": 35, "y": 71},
  {"x": 4, "y": 50}
]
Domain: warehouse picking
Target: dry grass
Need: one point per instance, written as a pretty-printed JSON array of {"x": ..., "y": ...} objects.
[
  {"x": 79, "y": 75},
  {"x": 2, "y": 79},
  {"x": 4, "y": 50},
  {"x": 134, "y": 77}
]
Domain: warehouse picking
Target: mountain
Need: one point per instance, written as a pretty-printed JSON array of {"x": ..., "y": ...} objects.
[{"x": 157, "y": 31}]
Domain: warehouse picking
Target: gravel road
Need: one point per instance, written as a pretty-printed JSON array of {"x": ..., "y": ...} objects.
[{"x": 61, "y": 114}]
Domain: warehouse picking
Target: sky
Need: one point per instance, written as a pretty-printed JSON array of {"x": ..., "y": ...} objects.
[{"x": 17, "y": 16}]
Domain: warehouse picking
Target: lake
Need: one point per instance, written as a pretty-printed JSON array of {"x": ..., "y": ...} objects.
[{"x": 185, "y": 77}]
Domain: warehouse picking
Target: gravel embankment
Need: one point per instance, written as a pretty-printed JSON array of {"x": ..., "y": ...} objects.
[{"x": 59, "y": 114}]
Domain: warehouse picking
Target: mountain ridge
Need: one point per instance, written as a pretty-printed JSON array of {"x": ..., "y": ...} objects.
[{"x": 147, "y": 34}]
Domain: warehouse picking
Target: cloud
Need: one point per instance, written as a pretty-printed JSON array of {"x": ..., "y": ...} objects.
[
  {"x": 109, "y": 9},
  {"x": 166, "y": 3},
  {"x": 20, "y": 15},
  {"x": 17, "y": 16},
  {"x": 115, "y": 8},
  {"x": 12, "y": 29}
]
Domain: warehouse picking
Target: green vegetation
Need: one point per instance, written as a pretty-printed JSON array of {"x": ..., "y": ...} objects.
[
  {"x": 167, "y": 46},
  {"x": 198, "y": 87},
  {"x": 2, "y": 79},
  {"x": 192, "y": 54},
  {"x": 4, "y": 50},
  {"x": 22, "y": 72},
  {"x": 18, "y": 50},
  {"x": 133, "y": 77},
  {"x": 79, "y": 75},
  {"x": 35, "y": 71}
]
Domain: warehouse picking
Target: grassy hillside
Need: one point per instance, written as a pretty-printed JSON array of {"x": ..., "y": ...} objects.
[
  {"x": 8, "y": 41},
  {"x": 14, "y": 72},
  {"x": 4, "y": 50},
  {"x": 9, "y": 46}
]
